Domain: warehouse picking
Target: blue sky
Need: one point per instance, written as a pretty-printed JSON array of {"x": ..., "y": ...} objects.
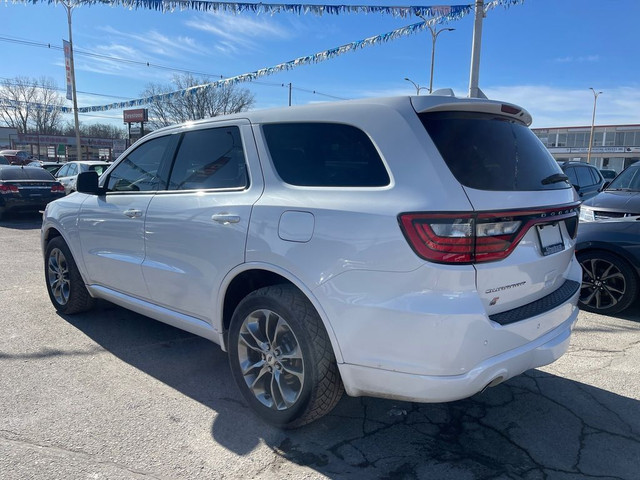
[{"x": 542, "y": 54}]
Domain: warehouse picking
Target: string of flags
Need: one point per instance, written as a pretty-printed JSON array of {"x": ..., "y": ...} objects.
[
  {"x": 258, "y": 8},
  {"x": 438, "y": 14}
]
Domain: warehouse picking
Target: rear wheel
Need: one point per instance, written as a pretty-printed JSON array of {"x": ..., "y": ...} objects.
[
  {"x": 609, "y": 283},
  {"x": 281, "y": 357},
  {"x": 64, "y": 283}
]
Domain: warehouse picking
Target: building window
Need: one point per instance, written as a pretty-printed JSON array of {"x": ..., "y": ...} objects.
[
  {"x": 598, "y": 139},
  {"x": 562, "y": 140}
]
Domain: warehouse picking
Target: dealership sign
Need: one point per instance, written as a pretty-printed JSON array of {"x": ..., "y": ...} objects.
[{"x": 136, "y": 115}]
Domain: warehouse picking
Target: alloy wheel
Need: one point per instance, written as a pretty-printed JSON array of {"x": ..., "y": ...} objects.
[
  {"x": 603, "y": 284},
  {"x": 58, "y": 276},
  {"x": 271, "y": 360}
]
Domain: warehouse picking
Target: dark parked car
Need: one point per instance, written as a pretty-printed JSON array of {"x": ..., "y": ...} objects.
[
  {"x": 51, "y": 167},
  {"x": 621, "y": 198},
  {"x": 585, "y": 178},
  {"x": 609, "y": 252},
  {"x": 27, "y": 188}
]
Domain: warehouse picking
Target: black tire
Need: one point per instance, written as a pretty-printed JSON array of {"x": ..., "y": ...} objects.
[
  {"x": 609, "y": 283},
  {"x": 64, "y": 283},
  {"x": 293, "y": 373}
]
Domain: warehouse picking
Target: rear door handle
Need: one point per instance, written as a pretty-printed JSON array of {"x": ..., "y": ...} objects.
[
  {"x": 133, "y": 213},
  {"x": 225, "y": 218}
]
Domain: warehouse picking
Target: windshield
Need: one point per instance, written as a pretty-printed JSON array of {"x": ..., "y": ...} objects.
[
  {"x": 490, "y": 152},
  {"x": 629, "y": 180}
]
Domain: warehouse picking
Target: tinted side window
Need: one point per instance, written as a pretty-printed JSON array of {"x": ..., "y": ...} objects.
[
  {"x": 324, "y": 155},
  {"x": 571, "y": 173},
  {"x": 595, "y": 176},
  {"x": 584, "y": 177},
  {"x": 212, "y": 158},
  {"x": 73, "y": 169},
  {"x": 140, "y": 170},
  {"x": 490, "y": 152}
]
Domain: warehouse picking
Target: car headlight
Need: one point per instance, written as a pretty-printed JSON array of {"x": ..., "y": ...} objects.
[{"x": 586, "y": 214}]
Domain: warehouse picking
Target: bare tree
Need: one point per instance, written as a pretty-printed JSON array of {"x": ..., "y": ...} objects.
[
  {"x": 195, "y": 104},
  {"x": 95, "y": 130},
  {"x": 47, "y": 117},
  {"x": 30, "y": 105}
]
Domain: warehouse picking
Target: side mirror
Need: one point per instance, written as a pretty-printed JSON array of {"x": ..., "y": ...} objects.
[
  {"x": 577, "y": 187},
  {"x": 87, "y": 182},
  {"x": 604, "y": 185}
]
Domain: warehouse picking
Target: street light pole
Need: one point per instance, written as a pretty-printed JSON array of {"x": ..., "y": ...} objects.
[
  {"x": 474, "y": 73},
  {"x": 434, "y": 36},
  {"x": 593, "y": 120},
  {"x": 417, "y": 87},
  {"x": 69, "y": 7}
]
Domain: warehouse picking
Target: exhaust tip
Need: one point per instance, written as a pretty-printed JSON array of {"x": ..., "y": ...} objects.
[{"x": 496, "y": 381}]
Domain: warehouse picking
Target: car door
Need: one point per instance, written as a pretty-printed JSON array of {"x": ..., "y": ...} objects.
[
  {"x": 196, "y": 230},
  {"x": 111, "y": 225}
]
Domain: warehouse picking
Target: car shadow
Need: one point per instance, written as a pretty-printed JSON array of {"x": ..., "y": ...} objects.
[
  {"x": 536, "y": 425},
  {"x": 21, "y": 220}
]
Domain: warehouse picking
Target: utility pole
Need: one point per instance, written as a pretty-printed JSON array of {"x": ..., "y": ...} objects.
[
  {"x": 69, "y": 7},
  {"x": 290, "y": 93},
  {"x": 475, "y": 50}
]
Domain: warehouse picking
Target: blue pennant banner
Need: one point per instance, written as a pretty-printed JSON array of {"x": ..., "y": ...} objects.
[
  {"x": 441, "y": 14},
  {"x": 259, "y": 8}
]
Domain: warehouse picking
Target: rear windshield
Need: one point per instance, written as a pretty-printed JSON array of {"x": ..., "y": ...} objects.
[
  {"x": 489, "y": 152},
  {"x": 27, "y": 173}
]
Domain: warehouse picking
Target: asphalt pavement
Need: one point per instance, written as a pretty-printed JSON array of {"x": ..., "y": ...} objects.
[{"x": 110, "y": 394}]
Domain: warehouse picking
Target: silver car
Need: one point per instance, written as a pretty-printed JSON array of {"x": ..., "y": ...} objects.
[{"x": 68, "y": 173}]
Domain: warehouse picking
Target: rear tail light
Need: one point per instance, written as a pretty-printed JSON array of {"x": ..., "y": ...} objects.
[
  {"x": 5, "y": 188},
  {"x": 476, "y": 237},
  {"x": 57, "y": 188}
]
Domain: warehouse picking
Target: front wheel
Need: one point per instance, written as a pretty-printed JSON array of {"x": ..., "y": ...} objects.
[
  {"x": 281, "y": 357},
  {"x": 64, "y": 283},
  {"x": 609, "y": 284}
]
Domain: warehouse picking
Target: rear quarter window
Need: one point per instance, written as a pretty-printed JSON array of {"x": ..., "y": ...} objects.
[
  {"x": 324, "y": 155},
  {"x": 490, "y": 152}
]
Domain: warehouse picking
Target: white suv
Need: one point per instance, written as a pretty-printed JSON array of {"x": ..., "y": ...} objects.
[{"x": 414, "y": 248}]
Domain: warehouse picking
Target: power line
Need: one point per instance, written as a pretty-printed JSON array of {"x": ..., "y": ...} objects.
[
  {"x": 8, "y": 81},
  {"x": 146, "y": 64}
]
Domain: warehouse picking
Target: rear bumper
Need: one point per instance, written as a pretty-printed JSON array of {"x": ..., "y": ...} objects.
[{"x": 376, "y": 382}]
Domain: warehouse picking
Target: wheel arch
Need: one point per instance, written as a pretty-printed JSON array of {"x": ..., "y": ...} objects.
[
  {"x": 590, "y": 247},
  {"x": 249, "y": 277}
]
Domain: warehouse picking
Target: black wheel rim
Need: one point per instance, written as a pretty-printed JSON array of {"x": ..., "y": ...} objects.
[
  {"x": 603, "y": 284},
  {"x": 271, "y": 360}
]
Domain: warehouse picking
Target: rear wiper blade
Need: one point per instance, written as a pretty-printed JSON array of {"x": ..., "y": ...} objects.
[{"x": 555, "y": 178}]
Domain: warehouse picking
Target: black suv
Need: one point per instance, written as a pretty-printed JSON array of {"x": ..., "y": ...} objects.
[{"x": 585, "y": 178}]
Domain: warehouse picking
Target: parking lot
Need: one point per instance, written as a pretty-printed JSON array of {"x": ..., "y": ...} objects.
[{"x": 114, "y": 395}]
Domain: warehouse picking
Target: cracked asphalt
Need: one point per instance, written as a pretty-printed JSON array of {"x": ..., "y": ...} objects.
[{"x": 114, "y": 395}]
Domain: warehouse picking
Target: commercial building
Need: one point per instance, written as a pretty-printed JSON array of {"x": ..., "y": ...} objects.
[
  {"x": 614, "y": 147},
  {"x": 63, "y": 148}
]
